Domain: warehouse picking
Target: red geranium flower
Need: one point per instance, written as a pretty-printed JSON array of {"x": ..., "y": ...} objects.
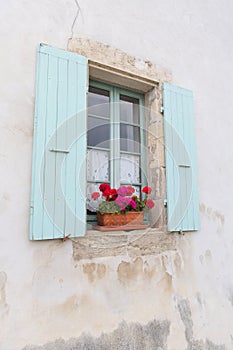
[
  {"x": 95, "y": 195},
  {"x": 106, "y": 192},
  {"x": 104, "y": 187},
  {"x": 112, "y": 195},
  {"x": 147, "y": 190}
]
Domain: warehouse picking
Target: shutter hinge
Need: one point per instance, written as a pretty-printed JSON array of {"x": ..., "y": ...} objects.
[
  {"x": 165, "y": 202},
  {"x": 65, "y": 238},
  {"x": 32, "y": 210},
  {"x": 162, "y": 109}
]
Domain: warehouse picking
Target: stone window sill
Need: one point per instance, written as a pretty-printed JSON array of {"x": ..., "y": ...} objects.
[{"x": 96, "y": 244}]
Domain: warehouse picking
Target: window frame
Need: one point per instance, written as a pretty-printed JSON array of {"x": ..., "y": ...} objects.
[{"x": 115, "y": 91}]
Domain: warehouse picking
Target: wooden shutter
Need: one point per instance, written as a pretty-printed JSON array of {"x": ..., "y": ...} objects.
[
  {"x": 180, "y": 152},
  {"x": 59, "y": 152}
]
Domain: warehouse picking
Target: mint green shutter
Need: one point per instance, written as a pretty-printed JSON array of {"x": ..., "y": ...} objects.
[
  {"x": 59, "y": 153},
  {"x": 180, "y": 152}
]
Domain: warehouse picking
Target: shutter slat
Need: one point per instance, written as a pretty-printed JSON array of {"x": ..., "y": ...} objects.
[
  {"x": 49, "y": 166},
  {"x": 195, "y": 202},
  {"x": 59, "y": 204},
  {"x": 37, "y": 211},
  {"x": 71, "y": 159},
  {"x": 60, "y": 105},
  {"x": 181, "y": 168},
  {"x": 188, "y": 131}
]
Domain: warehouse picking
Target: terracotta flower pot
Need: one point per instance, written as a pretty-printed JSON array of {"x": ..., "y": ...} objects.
[{"x": 130, "y": 218}]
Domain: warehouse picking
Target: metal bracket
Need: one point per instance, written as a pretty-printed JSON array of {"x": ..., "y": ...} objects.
[
  {"x": 65, "y": 238},
  {"x": 59, "y": 150}
]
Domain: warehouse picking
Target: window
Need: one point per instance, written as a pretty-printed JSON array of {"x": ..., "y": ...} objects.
[{"x": 115, "y": 140}]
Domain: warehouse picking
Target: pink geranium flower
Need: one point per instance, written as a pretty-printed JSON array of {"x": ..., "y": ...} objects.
[
  {"x": 133, "y": 204},
  {"x": 122, "y": 191},
  {"x": 150, "y": 203},
  {"x": 123, "y": 201},
  {"x": 130, "y": 190}
]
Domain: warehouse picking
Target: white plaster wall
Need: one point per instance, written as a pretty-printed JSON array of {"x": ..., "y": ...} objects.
[{"x": 43, "y": 293}]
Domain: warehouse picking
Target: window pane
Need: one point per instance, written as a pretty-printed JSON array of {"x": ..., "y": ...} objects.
[
  {"x": 98, "y": 102},
  {"x": 98, "y": 132},
  {"x": 137, "y": 191},
  {"x": 130, "y": 138},
  {"x": 130, "y": 169},
  {"x": 129, "y": 109},
  {"x": 97, "y": 165},
  {"x": 92, "y": 204}
]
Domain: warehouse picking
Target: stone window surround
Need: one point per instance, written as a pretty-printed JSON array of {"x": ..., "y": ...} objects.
[{"x": 113, "y": 66}]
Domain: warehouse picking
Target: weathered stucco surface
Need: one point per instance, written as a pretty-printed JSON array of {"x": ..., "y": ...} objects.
[
  {"x": 152, "y": 291},
  {"x": 126, "y": 337}
]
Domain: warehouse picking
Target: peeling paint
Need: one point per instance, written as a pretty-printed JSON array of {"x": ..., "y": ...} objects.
[
  {"x": 128, "y": 272},
  {"x": 94, "y": 271},
  {"x": 212, "y": 214},
  {"x": 161, "y": 269}
]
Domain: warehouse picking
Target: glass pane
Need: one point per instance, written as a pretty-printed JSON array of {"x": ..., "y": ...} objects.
[
  {"x": 137, "y": 189},
  {"x": 130, "y": 138},
  {"x": 92, "y": 204},
  {"x": 129, "y": 169},
  {"x": 98, "y": 132},
  {"x": 97, "y": 165},
  {"x": 129, "y": 109},
  {"x": 98, "y": 102}
]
